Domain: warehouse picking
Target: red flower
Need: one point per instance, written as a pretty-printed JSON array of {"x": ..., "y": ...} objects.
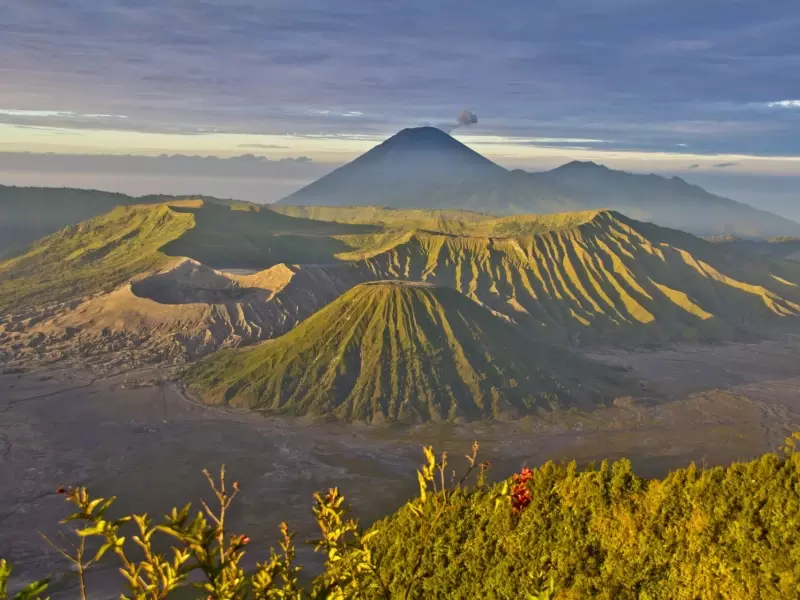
[{"x": 520, "y": 494}]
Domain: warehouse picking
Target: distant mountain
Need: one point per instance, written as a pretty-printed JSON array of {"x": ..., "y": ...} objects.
[
  {"x": 412, "y": 162},
  {"x": 409, "y": 352},
  {"x": 427, "y": 168},
  {"x": 781, "y": 247},
  {"x": 670, "y": 202}
]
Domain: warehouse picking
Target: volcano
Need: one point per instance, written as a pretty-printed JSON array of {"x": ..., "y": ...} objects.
[
  {"x": 403, "y": 171},
  {"x": 424, "y": 167},
  {"x": 407, "y": 352}
]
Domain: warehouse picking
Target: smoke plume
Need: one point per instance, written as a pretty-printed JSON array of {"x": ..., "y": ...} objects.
[
  {"x": 464, "y": 119},
  {"x": 467, "y": 117}
]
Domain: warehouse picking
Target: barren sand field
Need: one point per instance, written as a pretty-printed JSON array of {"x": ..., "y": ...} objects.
[{"x": 146, "y": 442}]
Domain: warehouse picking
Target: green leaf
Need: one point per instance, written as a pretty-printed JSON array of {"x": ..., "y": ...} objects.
[
  {"x": 101, "y": 551},
  {"x": 32, "y": 591}
]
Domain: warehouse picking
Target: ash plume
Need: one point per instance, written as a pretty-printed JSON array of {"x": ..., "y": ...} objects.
[{"x": 465, "y": 119}]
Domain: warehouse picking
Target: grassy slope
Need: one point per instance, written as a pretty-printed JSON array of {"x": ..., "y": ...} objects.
[
  {"x": 591, "y": 276},
  {"x": 387, "y": 351},
  {"x": 27, "y": 214},
  {"x": 606, "y": 533},
  {"x": 97, "y": 255},
  {"x": 449, "y": 221},
  {"x": 30, "y": 213},
  {"x": 102, "y": 253}
]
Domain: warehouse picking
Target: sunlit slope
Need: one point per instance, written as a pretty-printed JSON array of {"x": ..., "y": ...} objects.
[
  {"x": 592, "y": 276},
  {"x": 95, "y": 256},
  {"x": 30, "y": 213},
  {"x": 402, "y": 351},
  {"x": 105, "y": 252},
  {"x": 600, "y": 276}
]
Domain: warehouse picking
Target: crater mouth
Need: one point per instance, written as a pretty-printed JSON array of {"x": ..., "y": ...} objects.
[{"x": 194, "y": 283}]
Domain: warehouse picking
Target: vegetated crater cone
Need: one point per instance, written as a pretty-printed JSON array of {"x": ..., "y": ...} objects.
[{"x": 403, "y": 351}]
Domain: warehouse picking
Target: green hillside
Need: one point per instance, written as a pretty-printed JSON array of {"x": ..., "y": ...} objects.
[
  {"x": 452, "y": 221},
  {"x": 587, "y": 277},
  {"x": 597, "y": 276},
  {"x": 97, "y": 255},
  {"x": 555, "y": 532},
  {"x": 102, "y": 253},
  {"x": 30, "y": 213},
  {"x": 27, "y": 214},
  {"x": 409, "y": 352}
]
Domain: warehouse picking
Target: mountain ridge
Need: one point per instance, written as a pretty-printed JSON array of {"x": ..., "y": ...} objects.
[
  {"x": 427, "y": 168},
  {"x": 172, "y": 280}
]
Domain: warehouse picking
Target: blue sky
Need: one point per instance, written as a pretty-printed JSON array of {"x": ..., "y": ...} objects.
[{"x": 648, "y": 85}]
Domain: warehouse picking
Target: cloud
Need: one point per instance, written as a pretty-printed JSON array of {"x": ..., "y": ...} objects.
[
  {"x": 331, "y": 113},
  {"x": 55, "y": 113},
  {"x": 694, "y": 166},
  {"x": 784, "y": 104},
  {"x": 264, "y": 146},
  {"x": 612, "y": 69},
  {"x": 725, "y": 165}
]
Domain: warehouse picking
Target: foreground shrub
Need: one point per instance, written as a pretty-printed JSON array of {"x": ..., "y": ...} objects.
[
  {"x": 555, "y": 532},
  {"x": 606, "y": 533}
]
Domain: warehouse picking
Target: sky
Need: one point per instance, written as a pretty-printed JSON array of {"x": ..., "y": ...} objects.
[{"x": 254, "y": 98}]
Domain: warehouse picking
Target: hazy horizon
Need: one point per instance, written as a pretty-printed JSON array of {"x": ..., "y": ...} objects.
[
  {"x": 703, "y": 91},
  {"x": 258, "y": 179}
]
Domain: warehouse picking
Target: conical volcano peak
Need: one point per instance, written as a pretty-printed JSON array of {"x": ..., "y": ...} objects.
[
  {"x": 401, "y": 352},
  {"x": 400, "y": 172},
  {"x": 426, "y": 134},
  {"x": 427, "y": 143}
]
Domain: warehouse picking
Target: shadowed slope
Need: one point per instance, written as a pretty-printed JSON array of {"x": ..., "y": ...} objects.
[
  {"x": 446, "y": 221},
  {"x": 401, "y": 351},
  {"x": 670, "y": 202}
]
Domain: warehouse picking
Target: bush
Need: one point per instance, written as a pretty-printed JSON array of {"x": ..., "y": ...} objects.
[{"x": 554, "y": 532}]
